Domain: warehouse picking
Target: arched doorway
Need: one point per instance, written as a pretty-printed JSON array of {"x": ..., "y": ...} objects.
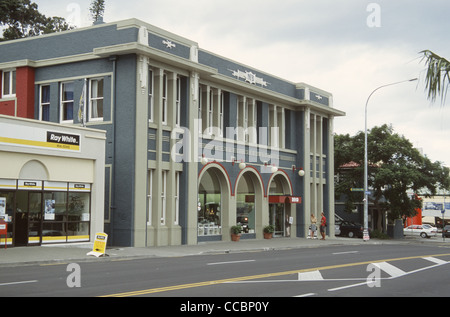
[
  {"x": 280, "y": 209},
  {"x": 212, "y": 205},
  {"x": 249, "y": 199}
]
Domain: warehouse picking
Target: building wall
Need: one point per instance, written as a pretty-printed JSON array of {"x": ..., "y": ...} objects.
[{"x": 151, "y": 194}]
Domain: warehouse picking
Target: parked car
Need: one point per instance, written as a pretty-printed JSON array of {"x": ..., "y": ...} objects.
[
  {"x": 446, "y": 231},
  {"x": 351, "y": 229},
  {"x": 425, "y": 231},
  {"x": 337, "y": 230}
]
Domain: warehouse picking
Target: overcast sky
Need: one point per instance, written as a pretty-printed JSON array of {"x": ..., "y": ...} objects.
[{"x": 346, "y": 47}]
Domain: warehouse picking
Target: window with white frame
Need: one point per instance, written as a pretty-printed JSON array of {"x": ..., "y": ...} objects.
[
  {"x": 200, "y": 109},
  {"x": 163, "y": 197},
  {"x": 9, "y": 83},
  {"x": 149, "y": 196},
  {"x": 96, "y": 89},
  {"x": 164, "y": 100},
  {"x": 66, "y": 102},
  {"x": 178, "y": 103},
  {"x": 150, "y": 95},
  {"x": 211, "y": 112},
  {"x": 221, "y": 103},
  {"x": 177, "y": 198},
  {"x": 44, "y": 103}
]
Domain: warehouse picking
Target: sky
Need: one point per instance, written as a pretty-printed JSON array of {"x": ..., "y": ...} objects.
[{"x": 346, "y": 47}]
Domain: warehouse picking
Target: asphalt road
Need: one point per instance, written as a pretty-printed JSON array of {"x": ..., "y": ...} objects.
[{"x": 346, "y": 271}]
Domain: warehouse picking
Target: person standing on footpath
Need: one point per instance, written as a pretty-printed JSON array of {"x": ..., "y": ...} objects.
[
  {"x": 323, "y": 224},
  {"x": 313, "y": 225}
]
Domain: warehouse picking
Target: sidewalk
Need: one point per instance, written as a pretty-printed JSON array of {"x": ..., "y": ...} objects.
[{"x": 52, "y": 254}]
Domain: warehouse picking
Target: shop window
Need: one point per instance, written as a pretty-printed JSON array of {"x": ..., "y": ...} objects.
[
  {"x": 245, "y": 204},
  {"x": 9, "y": 83},
  {"x": 67, "y": 101},
  {"x": 44, "y": 103},
  {"x": 78, "y": 206},
  {"x": 209, "y": 205},
  {"x": 96, "y": 88}
]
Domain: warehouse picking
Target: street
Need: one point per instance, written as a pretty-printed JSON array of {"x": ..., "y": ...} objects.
[{"x": 347, "y": 271}]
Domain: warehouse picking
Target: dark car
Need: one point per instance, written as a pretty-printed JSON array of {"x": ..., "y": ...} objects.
[
  {"x": 351, "y": 229},
  {"x": 446, "y": 231}
]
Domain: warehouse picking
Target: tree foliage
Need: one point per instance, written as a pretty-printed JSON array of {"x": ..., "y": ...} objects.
[
  {"x": 21, "y": 18},
  {"x": 97, "y": 9},
  {"x": 395, "y": 169},
  {"x": 437, "y": 78}
]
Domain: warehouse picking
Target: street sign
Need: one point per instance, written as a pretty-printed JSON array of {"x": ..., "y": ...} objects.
[{"x": 357, "y": 189}]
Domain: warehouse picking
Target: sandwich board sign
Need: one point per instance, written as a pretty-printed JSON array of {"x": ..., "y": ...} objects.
[{"x": 99, "y": 248}]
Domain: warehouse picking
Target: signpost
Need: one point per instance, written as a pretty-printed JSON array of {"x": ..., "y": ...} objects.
[{"x": 443, "y": 223}]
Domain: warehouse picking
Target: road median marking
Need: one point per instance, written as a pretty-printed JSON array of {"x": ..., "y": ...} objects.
[{"x": 260, "y": 276}]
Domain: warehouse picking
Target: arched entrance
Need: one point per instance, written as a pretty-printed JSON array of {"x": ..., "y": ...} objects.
[
  {"x": 281, "y": 210},
  {"x": 249, "y": 194},
  {"x": 212, "y": 205}
]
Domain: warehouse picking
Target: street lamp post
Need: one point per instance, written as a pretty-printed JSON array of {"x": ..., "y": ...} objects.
[{"x": 366, "y": 193}]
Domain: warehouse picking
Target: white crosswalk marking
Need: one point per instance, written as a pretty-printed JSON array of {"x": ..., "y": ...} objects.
[
  {"x": 390, "y": 269},
  {"x": 310, "y": 276},
  {"x": 435, "y": 260}
]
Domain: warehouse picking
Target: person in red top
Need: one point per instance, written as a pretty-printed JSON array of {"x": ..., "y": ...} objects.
[{"x": 323, "y": 224}]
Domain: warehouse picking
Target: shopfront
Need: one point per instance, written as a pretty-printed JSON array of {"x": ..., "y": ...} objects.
[
  {"x": 50, "y": 194},
  {"x": 42, "y": 212}
]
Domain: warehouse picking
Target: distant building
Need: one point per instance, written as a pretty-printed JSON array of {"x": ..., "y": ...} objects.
[{"x": 195, "y": 142}]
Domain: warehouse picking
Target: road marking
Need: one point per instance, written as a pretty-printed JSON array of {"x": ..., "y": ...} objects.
[
  {"x": 310, "y": 276},
  {"x": 435, "y": 260},
  {"x": 15, "y": 283},
  {"x": 230, "y": 262},
  {"x": 390, "y": 269},
  {"x": 261, "y": 276},
  {"x": 306, "y": 295},
  {"x": 347, "y": 252},
  {"x": 346, "y": 286}
]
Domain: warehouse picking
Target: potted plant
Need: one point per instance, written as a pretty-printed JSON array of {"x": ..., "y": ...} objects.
[
  {"x": 268, "y": 231},
  {"x": 236, "y": 233}
]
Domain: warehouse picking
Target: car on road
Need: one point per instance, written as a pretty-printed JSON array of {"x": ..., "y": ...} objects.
[
  {"x": 424, "y": 231},
  {"x": 350, "y": 229}
]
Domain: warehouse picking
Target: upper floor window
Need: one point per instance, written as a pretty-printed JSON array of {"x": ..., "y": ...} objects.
[
  {"x": 150, "y": 95},
  {"x": 67, "y": 101},
  {"x": 9, "y": 83},
  {"x": 164, "y": 100},
  {"x": 96, "y": 99},
  {"x": 44, "y": 103},
  {"x": 178, "y": 103}
]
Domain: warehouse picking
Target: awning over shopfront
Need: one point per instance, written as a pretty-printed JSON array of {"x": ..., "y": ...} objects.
[{"x": 280, "y": 199}]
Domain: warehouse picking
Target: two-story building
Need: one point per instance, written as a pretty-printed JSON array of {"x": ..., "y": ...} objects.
[{"x": 195, "y": 142}]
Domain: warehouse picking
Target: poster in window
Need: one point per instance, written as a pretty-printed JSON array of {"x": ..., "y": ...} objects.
[
  {"x": 2, "y": 207},
  {"x": 49, "y": 209}
]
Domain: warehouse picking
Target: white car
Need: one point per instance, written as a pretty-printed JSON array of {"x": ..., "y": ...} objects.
[{"x": 425, "y": 231}]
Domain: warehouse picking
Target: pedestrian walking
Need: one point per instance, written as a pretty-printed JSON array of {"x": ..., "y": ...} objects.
[{"x": 323, "y": 224}]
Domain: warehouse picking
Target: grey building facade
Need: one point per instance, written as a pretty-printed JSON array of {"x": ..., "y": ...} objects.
[{"x": 195, "y": 142}]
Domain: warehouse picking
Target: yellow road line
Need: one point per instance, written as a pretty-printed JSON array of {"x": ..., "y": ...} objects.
[{"x": 260, "y": 276}]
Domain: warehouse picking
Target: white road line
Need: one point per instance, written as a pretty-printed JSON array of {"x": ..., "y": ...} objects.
[
  {"x": 310, "y": 276},
  {"x": 15, "y": 283},
  {"x": 435, "y": 260},
  {"x": 347, "y": 252},
  {"x": 231, "y": 262},
  {"x": 390, "y": 269},
  {"x": 306, "y": 295}
]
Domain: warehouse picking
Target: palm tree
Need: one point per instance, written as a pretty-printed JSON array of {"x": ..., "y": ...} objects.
[{"x": 438, "y": 75}]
